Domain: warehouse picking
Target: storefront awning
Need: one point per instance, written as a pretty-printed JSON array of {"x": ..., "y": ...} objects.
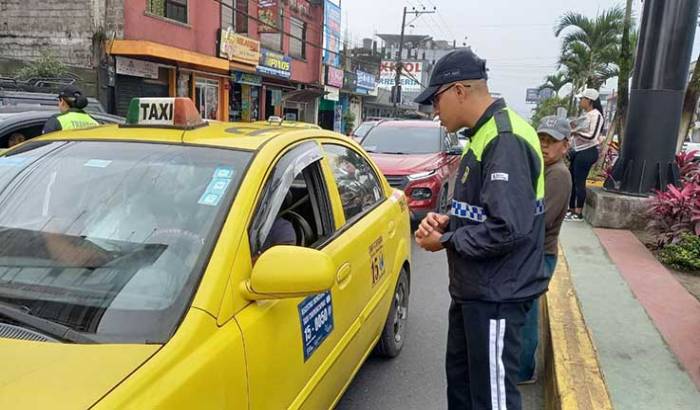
[
  {"x": 156, "y": 50},
  {"x": 305, "y": 95}
]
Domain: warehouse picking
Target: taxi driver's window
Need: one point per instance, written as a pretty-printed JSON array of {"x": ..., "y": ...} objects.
[
  {"x": 109, "y": 238},
  {"x": 357, "y": 183},
  {"x": 294, "y": 209}
]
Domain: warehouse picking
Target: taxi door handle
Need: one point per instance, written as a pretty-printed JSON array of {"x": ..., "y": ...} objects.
[
  {"x": 343, "y": 275},
  {"x": 392, "y": 229}
]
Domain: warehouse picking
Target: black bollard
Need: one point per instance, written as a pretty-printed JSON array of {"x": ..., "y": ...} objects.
[{"x": 647, "y": 158}]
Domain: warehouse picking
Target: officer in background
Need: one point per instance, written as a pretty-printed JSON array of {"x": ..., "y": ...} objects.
[
  {"x": 494, "y": 236},
  {"x": 71, "y": 102}
]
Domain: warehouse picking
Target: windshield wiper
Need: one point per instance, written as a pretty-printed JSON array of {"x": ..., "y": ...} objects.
[
  {"x": 57, "y": 330},
  {"x": 394, "y": 153}
]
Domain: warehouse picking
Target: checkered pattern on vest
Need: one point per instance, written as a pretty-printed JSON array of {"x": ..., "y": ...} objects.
[
  {"x": 539, "y": 207},
  {"x": 471, "y": 212},
  {"x": 478, "y": 214}
]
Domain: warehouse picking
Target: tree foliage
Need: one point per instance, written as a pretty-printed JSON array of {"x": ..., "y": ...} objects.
[
  {"x": 47, "y": 66},
  {"x": 545, "y": 108},
  {"x": 556, "y": 81},
  {"x": 591, "y": 46}
]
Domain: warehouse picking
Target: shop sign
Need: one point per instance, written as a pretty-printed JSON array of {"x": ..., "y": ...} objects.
[
  {"x": 233, "y": 46},
  {"x": 268, "y": 13},
  {"x": 299, "y": 6},
  {"x": 272, "y": 63},
  {"x": 365, "y": 80},
  {"x": 411, "y": 74},
  {"x": 349, "y": 81},
  {"x": 137, "y": 68},
  {"x": 245, "y": 78},
  {"x": 334, "y": 77},
  {"x": 332, "y": 93},
  {"x": 331, "y": 33}
]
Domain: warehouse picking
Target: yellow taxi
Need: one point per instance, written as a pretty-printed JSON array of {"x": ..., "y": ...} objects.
[{"x": 177, "y": 264}]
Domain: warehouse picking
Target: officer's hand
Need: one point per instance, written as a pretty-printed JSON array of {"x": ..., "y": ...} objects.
[
  {"x": 431, "y": 242},
  {"x": 433, "y": 222}
]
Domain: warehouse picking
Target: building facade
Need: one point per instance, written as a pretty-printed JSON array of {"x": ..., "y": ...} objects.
[{"x": 237, "y": 59}]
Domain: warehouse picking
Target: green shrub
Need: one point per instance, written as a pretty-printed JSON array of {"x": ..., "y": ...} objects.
[
  {"x": 48, "y": 65},
  {"x": 683, "y": 254}
]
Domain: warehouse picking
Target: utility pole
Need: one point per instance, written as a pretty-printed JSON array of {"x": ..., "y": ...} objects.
[{"x": 396, "y": 90}]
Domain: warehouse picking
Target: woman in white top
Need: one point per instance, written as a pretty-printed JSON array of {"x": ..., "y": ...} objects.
[{"x": 584, "y": 150}]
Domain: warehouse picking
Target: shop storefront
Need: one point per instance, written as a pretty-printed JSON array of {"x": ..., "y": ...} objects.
[
  {"x": 245, "y": 97},
  {"x": 276, "y": 70},
  {"x": 330, "y": 111},
  {"x": 245, "y": 87},
  {"x": 169, "y": 71},
  {"x": 139, "y": 78}
]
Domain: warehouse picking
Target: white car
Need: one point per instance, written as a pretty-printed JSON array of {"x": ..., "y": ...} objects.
[{"x": 692, "y": 143}]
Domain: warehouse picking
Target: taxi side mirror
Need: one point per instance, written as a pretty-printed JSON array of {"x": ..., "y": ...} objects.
[{"x": 289, "y": 271}]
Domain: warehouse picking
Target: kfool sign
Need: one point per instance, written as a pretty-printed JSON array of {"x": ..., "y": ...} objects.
[{"x": 411, "y": 74}]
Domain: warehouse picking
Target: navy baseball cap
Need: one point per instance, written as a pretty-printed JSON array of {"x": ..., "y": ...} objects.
[{"x": 458, "y": 65}]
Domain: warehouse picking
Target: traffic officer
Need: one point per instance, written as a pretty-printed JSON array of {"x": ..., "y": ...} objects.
[
  {"x": 71, "y": 102},
  {"x": 494, "y": 235}
]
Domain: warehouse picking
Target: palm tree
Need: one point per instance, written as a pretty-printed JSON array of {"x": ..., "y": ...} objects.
[
  {"x": 590, "y": 47},
  {"x": 556, "y": 81}
]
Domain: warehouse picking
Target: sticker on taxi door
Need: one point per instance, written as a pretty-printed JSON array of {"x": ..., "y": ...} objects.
[
  {"x": 316, "y": 315},
  {"x": 376, "y": 256}
]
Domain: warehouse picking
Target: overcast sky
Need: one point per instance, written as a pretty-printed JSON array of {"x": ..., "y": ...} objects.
[{"x": 516, "y": 37}]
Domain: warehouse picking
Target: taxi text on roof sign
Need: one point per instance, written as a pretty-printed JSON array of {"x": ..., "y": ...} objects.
[{"x": 176, "y": 112}]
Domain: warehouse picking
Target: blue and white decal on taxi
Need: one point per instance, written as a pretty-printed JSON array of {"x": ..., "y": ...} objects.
[
  {"x": 316, "y": 316},
  {"x": 217, "y": 187}
]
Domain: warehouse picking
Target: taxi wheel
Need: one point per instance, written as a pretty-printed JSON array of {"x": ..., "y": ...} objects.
[{"x": 394, "y": 333}]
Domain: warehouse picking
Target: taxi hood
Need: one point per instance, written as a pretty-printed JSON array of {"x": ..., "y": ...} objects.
[{"x": 57, "y": 375}]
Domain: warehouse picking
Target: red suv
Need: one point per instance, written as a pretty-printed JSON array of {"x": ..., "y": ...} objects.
[{"x": 419, "y": 157}]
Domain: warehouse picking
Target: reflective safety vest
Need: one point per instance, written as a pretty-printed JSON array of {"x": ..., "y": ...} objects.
[
  {"x": 495, "y": 243},
  {"x": 509, "y": 122},
  {"x": 72, "y": 120}
]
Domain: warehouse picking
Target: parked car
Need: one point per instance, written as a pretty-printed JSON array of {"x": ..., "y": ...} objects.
[
  {"x": 692, "y": 143},
  {"x": 177, "y": 264},
  {"x": 42, "y": 99},
  {"x": 26, "y": 122},
  {"x": 421, "y": 158},
  {"x": 361, "y": 130}
]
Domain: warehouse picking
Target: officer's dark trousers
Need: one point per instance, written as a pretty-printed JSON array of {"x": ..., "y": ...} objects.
[{"x": 483, "y": 353}]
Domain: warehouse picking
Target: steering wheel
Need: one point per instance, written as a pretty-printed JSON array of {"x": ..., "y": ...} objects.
[{"x": 301, "y": 227}]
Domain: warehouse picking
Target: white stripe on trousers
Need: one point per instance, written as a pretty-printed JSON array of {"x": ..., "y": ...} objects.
[{"x": 497, "y": 330}]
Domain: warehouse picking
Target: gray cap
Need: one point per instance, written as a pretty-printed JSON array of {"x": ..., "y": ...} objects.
[{"x": 556, "y": 127}]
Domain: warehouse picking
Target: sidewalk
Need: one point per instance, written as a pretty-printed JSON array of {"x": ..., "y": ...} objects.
[{"x": 622, "y": 292}]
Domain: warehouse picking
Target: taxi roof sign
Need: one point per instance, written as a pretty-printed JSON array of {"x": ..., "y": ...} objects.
[{"x": 173, "y": 112}]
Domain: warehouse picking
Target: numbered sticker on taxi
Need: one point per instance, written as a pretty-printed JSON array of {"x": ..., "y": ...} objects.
[
  {"x": 376, "y": 256},
  {"x": 316, "y": 316}
]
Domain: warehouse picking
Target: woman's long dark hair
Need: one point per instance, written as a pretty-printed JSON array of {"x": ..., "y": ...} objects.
[{"x": 597, "y": 105}]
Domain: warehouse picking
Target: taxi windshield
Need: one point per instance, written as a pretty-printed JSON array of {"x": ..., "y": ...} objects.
[{"x": 110, "y": 238}]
